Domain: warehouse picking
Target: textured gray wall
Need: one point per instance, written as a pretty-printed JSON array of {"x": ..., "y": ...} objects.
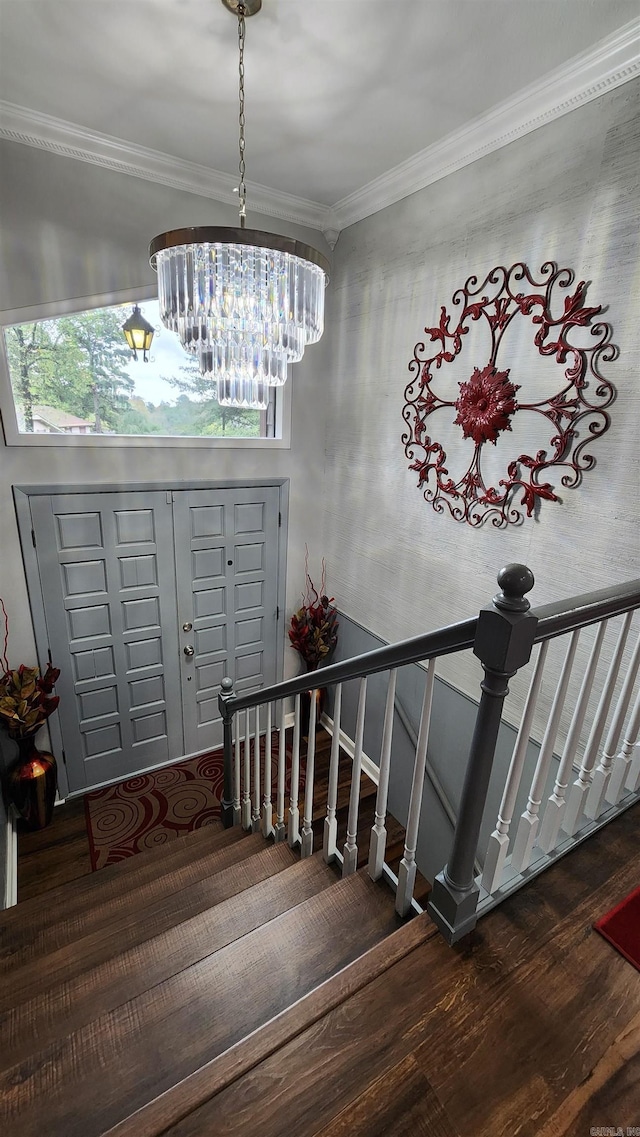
[{"x": 569, "y": 192}]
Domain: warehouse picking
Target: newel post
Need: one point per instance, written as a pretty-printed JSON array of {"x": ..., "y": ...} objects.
[
  {"x": 503, "y": 644},
  {"x": 226, "y": 805}
]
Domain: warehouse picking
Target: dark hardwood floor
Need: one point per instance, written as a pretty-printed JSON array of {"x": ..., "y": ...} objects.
[
  {"x": 529, "y": 1027},
  {"x": 54, "y": 855}
]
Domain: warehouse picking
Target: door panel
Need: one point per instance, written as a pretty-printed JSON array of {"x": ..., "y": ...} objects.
[
  {"x": 226, "y": 568},
  {"x": 107, "y": 574}
]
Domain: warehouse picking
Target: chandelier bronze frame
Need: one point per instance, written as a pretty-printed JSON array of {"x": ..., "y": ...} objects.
[{"x": 228, "y": 235}]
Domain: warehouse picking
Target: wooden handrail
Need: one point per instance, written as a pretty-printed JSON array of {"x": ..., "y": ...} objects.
[
  {"x": 553, "y": 620},
  {"x": 588, "y": 608},
  {"x": 444, "y": 641}
]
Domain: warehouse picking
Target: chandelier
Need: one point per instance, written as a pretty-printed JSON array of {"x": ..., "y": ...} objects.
[{"x": 244, "y": 302}]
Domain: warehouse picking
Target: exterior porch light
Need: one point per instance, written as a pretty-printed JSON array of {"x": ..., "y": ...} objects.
[{"x": 138, "y": 333}]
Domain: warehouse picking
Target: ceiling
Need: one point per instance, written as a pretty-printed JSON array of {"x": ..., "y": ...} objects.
[{"x": 339, "y": 93}]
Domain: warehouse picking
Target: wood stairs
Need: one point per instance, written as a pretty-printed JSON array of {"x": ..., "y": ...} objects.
[
  {"x": 130, "y": 996},
  {"x": 217, "y": 986}
]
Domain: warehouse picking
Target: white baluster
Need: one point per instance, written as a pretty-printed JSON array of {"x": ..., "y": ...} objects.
[
  {"x": 255, "y": 815},
  {"x": 557, "y": 803},
  {"x": 350, "y": 851},
  {"x": 632, "y": 781},
  {"x": 578, "y": 794},
  {"x": 609, "y": 765},
  {"x": 407, "y": 870},
  {"x": 378, "y": 845},
  {"x": 294, "y": 812},
  {"x": 267, "y": 808},
  {"x": 499, "y": 840},
  {"x": 329, "y": 845},
  {"x": 280, "y": 833},
  {"x": 237, "y": 812},
  {"x": 530, "y": 819},
  {"x": 246, "y": 796},
  {"x": 306, "y": 840}
]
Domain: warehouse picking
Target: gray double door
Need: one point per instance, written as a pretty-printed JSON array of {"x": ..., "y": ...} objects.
[{"x": 150, "y": 599}]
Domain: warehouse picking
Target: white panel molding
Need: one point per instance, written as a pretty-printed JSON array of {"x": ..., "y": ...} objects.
[
  {"x": 612, "y": 62},
  {"x": 609, "y": 64}
]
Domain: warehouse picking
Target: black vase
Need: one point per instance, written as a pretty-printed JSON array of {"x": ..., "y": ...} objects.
[{"x": 31, "y": 783}]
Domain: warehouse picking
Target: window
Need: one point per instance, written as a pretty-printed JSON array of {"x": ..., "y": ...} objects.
[{"x": 73, "y": 377}]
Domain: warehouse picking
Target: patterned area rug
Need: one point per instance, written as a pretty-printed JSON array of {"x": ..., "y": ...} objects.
[
  {"x": 151, "y": 809},
  {"x": 154, "y": 808}
]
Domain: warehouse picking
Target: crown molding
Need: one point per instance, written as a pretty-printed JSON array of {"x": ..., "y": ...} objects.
[
  {"x": 612, "y": 62},
  {"x": 68, "y": 140}
]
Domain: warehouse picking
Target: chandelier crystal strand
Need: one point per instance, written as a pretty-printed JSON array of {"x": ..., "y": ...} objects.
[{"x": 244, "y": 302}]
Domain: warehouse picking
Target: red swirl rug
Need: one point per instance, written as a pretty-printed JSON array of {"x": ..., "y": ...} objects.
[{"x": 152, "y": 809}]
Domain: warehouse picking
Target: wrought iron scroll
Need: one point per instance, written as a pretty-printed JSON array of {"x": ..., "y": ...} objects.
[{"x": 488, "y": 401}]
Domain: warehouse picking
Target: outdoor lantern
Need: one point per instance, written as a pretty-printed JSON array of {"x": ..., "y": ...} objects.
[{"x": 138, "y": 333}]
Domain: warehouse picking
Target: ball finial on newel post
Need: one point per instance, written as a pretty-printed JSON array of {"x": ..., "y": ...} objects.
[{"x": 514, "y": 581}]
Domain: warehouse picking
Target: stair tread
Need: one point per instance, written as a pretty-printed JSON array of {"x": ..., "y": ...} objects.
[
  {"x": 451, "y": 1011},
  {"x": 76, "y": 912},
  {"x": 131, "y": 925},
  {"x": 194, "y": 1099},
  {"x": 142, "y": 865},
  {"x": 63, "y": 998},
  {"x": 298, "y": 1071},
  {"x": 99, "y": 1074}
]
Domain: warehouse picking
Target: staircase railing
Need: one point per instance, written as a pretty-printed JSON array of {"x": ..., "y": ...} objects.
[{"x": 503, "y": 637}]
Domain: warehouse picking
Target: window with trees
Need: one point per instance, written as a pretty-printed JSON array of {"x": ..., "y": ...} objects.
[{"x": 75, "y": 375}]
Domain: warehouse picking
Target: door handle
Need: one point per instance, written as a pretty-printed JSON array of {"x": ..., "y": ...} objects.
[{"x": 189, "y": 650}]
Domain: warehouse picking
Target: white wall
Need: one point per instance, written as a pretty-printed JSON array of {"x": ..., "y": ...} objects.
[
  {"x": 568, "y": 192},
  {"x": 69, "y": 229}
]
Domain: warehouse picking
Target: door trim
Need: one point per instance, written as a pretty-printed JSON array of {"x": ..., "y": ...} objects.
[{"x": 22, "y": 495}]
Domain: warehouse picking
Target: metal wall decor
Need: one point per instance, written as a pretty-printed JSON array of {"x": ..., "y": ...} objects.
[{"x": 487, "y": 403}]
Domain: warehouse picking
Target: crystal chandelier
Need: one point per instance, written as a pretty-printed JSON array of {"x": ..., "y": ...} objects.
[{"x": 245, "y": 303}]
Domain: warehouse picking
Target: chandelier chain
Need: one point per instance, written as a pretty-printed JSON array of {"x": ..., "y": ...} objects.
[{"x": 242, "y": 188}]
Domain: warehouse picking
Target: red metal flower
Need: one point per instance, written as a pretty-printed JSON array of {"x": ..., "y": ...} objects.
[{"x": 485, "y": 404}]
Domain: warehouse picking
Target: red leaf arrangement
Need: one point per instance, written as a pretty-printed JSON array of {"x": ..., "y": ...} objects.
[
  {"x": 26, "y": 698},
  {"x": 313, "y": 630}
]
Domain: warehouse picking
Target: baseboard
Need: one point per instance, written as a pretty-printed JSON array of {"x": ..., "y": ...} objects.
[
  {"x": 348, "y": 745},
  {"x": 10, "y": 896}
]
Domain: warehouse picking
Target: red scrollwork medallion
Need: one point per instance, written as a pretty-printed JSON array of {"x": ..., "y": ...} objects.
[{"x": 489, "y": 400}]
